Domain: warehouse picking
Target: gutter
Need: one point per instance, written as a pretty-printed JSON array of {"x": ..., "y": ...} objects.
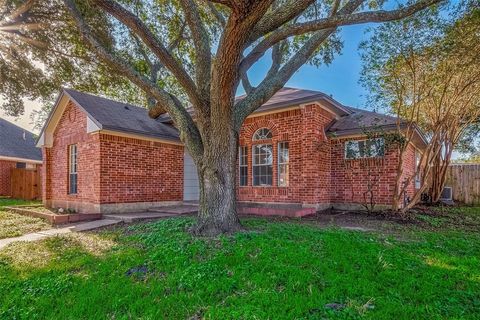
[{"x": 15, "y": 159}]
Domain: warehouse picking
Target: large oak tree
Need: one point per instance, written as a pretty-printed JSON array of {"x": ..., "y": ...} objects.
[{"x": 206, "y": 49}]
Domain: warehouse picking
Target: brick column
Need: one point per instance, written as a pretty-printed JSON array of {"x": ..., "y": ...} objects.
[{"x": 316, "y": 161}]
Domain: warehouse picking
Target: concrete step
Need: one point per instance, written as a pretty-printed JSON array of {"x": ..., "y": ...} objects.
[
  {"x": 182, "y": 209},
  {"x": 275, "y": 211},
  {"x": 132, "y": 217}
]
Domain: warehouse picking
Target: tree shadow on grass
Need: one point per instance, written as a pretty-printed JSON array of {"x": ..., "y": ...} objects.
[{"x": 286, "y": 271}]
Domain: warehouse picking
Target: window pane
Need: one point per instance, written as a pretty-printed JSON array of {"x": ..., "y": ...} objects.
[
  {"x": 262, "y": 164},
  {"x": 21, "y": 165},
  {"x": 72, "y": 169},
  {"x": 352, "y": 150},
  {"x": 262, "y": 134},
  {"x": 243, "y": 166},
  {"x": 283, "y": 158},
  {"x": 365, "y": 148}
]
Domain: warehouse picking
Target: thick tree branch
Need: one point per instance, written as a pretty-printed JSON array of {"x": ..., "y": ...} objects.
[
  {"x": 228, "y": 3},
  {"x": 246, "y": 83},
  {"x": 356, "y": 18},
  {"x": 23, "y": 8},
  {"x": 278, "y": 17},
  {"x": 275, "y": 81},
  {"x": 201, "y": 41},
  {"x": 276, "y": 59},
  {"x": 217, "y": 14},
  {"x": 225, "y": 73},
  {"x": 335, "y": 7},
  {"x": 166, "y": 101},
  {"x": 331, "y": 22},
  {"x": 143, "y": 32}
]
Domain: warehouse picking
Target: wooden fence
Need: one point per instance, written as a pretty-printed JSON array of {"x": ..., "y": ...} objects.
[
  {"x": 26, "y": 184},
  {"x": 465, "y": 182}
]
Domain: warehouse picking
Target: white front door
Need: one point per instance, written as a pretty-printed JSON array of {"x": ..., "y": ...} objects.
[{"x": 190, "y": 179}]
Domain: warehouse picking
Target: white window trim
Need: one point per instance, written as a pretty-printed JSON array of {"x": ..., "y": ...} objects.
[
  {"x": 418, "y": 179},
  {"x": 279, "y": 164},
  {"x": 261, "y": 138},
  {"x": 72, "y": 167},
  {"x": 260, "y": 165},
  {"x": 240, "y": 166}
]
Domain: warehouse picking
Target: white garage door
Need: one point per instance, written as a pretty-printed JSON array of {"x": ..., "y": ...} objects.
[{"x": 190, "y": 179}]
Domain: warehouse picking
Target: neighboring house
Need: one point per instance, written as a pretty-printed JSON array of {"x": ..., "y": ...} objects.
[
  {"x": 17, "y": 150},
  {"x": 301, "y": 151}
]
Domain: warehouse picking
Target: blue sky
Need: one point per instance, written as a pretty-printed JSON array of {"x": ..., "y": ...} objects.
[{"x": 340, "y": 78}]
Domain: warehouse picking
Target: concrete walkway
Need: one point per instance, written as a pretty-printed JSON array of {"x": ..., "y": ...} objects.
[
  {"x": 53, "y": 232},
  {"x": 132, "y": 217}
]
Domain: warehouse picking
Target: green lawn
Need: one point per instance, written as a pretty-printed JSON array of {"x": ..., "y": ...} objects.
[
  {"x": 275, "y": 270},
  {"x": 14, "y": 225}
]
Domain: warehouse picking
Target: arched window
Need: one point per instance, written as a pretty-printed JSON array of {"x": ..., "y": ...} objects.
[{"x": 262, "y": 134}]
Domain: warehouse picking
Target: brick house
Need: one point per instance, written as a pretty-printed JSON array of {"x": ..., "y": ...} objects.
[
  {"x": 17, "y": 150},
  {"x": 301, "y": 151}
]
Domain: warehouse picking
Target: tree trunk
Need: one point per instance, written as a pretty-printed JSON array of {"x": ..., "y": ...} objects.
[
  {"x": 439, "y": 175},
  {"x": 217, "y": 173},
  {"x": 397, "y": 200}
]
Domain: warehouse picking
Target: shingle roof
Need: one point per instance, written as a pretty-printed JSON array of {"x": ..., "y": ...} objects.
[
  {"x": 359, "y": 121},
  {"x": 119, "y": 116},
  {"x": 123, "y": 117},
  {"x": 288, "y": 96},
  {"x": 13, "y": 144}
]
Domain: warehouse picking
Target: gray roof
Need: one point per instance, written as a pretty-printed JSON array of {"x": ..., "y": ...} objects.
[
  {"x": 123, "y": 117},
  {"x": 359, "y": 121},
  {"x": 287, "y": 96},
  {"x": 16, "y": 142},
  {"x": 118, "y": 116}
]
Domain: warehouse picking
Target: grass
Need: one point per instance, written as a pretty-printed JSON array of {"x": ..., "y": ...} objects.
[
  {"x": 5, "y": 202},
  {"x": 275, "y": 270},
  {"x": 14, "y": 225}
]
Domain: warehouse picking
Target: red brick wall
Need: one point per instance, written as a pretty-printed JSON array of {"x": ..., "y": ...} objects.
[
  {"x": 72, "y": 129},
  {"x": 309, "y": 153},
  {"x": 114, "y": 169},
  {"x": 140, "y": 171},
  {"x": 5, "y": 167},
  {"x": 316, "y": 154},
  {"x": 319, "y": 174},
  {"x": 353, "y": 180},
  {"x": 111, "y": 169},
  {"x": 409, "y": 169}
]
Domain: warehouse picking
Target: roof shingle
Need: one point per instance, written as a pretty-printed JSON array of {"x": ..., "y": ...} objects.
[
  {"x": 120, "y": 116},
  {"x": 359, "y": 121},
  {"x": 16, "y": 142}
]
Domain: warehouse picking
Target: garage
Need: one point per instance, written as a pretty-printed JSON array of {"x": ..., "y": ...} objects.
[{"x": 190, "y": 179}]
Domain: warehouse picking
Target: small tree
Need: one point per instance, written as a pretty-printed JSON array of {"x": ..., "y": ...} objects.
[
  {"x": 455, "y": 94},
  {"x": 428, "y": 77}
]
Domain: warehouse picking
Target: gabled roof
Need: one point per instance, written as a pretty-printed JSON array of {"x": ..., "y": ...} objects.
[
  {"x": 119, "y": 116},
  {"x": 107, "y": 114},
  {"x": 288, "y": 96},
  {"x": 16, "y": 142},
  {"x": 359, "y": 121}
]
